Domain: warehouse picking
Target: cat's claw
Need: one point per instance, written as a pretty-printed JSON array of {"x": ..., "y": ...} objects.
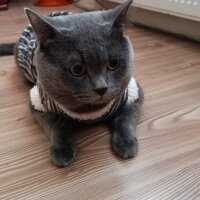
[
  {"x": 127, "y": 148},
  {"x": 64, "y": 156}
]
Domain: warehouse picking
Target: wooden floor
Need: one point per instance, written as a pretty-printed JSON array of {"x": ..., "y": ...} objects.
[{"x": 168, "y": 164}]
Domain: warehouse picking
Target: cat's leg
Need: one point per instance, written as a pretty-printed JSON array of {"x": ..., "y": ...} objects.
[
  {"x": 124, "y": 139},
  {"x": 59, "y": 131}
]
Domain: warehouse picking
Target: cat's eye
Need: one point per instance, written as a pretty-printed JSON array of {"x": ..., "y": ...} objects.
[
  {"x": 113, "y": 65},
  {"x": 77, "y": 70}
]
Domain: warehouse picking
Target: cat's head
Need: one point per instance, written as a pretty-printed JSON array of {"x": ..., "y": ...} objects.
[{"x": 83, "y": 58}]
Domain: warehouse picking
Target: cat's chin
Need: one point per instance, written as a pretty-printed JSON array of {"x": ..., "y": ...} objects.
[
  {"x": 89, "y": 105},
  {"x": 84, "y": 104}
]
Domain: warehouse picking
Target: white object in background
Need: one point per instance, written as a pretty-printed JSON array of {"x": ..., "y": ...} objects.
[
  {"x": 181, "y": 17},
  {"x": 86, "y": 4},
  {"x": 189, "y": 9}
]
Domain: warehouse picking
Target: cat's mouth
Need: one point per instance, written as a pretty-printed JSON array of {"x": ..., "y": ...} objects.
[{"x": 96, "y": 100}]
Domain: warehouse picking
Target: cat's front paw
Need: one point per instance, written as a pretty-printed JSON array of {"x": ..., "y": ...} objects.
[
  {"x": 62, "y": 156},
  {"x": 125, "y": 147}
]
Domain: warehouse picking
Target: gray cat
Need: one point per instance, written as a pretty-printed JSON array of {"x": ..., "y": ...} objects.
[{"x": 80, "y": 66}]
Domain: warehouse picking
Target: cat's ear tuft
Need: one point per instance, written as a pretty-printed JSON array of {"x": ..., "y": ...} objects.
[
  {"x": 118, "y": 15},
  {"x": 41, "y": 27}
]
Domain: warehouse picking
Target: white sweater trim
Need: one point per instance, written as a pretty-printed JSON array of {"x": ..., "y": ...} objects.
[
  {"x": 132, "y": 91},
  {"x": 88, "y": 116},
  {"x": 36, "y": 99}
]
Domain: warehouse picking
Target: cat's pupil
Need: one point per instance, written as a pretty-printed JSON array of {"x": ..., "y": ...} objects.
[
  {"x": 77, "y": 70},
  {"x": 113, "y": 64}
]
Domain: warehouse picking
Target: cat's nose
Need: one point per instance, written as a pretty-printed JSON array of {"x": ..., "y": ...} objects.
[{"x": 101, "y": 91}]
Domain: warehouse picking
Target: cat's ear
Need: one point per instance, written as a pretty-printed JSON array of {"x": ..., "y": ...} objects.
[
  {"x": 41, "y": 27},
  {"x": 117, "y": 15}
]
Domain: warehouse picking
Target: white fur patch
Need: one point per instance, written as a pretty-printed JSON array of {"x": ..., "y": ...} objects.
[
  {"x": 132, "y": 91},
  {"x": 36, "y": 100}
]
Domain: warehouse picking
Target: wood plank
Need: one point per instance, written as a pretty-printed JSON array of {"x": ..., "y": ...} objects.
[{"x": 168, "y": 164}]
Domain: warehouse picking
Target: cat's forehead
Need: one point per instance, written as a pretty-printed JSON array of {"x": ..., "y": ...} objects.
[
  {"x": 88, "y": 33},
  {"x": 86, "y": 17},
  {"x": 85, "y": 23}
]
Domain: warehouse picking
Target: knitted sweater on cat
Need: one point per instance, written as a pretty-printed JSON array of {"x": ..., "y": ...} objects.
[{"x": 130, "y": 95}]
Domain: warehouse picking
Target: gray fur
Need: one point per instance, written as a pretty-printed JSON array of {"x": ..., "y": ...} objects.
[
  {"x": 124, "y": 123},
  {"x": 91, "y": 39},
  {"x": 87, "y": 39}
]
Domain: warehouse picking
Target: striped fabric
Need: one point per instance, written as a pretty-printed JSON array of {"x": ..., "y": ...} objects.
[
  {"x": 26, "y": 48},
  {"x": 40, "y": 101}
]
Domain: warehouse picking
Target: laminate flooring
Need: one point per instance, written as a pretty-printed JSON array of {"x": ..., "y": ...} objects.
[{"x": 168, "y": 163}]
